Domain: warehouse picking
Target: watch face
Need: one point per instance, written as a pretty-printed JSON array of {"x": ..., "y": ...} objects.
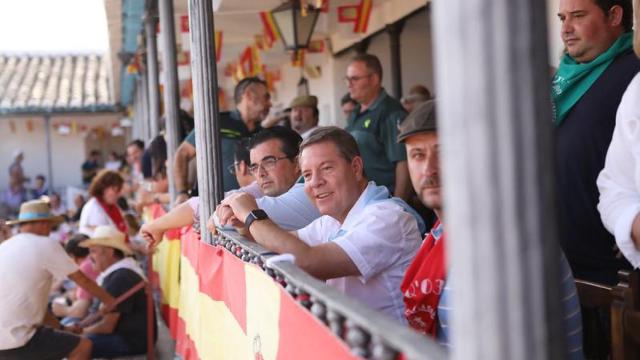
[{"x": 259, "y": 214}]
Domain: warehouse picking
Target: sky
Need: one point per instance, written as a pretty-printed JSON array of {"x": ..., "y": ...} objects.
[{"x": 53, "y": 26}]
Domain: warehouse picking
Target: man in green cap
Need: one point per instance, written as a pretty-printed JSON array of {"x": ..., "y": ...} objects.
[{"x": 593, "y": 73}]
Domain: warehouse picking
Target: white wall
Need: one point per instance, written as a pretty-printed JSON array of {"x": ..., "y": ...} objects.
[{"x": 68, "y": 152}]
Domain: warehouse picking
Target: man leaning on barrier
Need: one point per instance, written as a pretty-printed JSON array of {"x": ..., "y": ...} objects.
[
  {"x": 365, "y": 239},
  {"x": 273, "y": 153}
]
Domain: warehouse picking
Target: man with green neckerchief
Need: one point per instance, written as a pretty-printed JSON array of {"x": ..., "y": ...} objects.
[{"x": 592, "y": 76}]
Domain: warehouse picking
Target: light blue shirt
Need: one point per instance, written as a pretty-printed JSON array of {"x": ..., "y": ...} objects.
[{"x": 292, "y": 210}]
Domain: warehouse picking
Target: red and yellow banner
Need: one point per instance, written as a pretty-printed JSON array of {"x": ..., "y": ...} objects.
[
  {"x": 219, "y": 307},
  {"x": 270, "y": 29},
  {"x": 218, "y": 43}
]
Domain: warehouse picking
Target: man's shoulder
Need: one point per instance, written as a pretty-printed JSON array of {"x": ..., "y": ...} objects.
[{"x": 123, "y": 276}]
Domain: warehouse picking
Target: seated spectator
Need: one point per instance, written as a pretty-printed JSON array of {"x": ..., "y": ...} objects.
[
  {"x": 419, "y": 133},
  {"x": 78, "y": 308},
  {"x": 123, "y": 331},
  {"x": 102, "y": 208},
  {"x": 418, "y": 94},
  {"x": 619, "y": 181},
  {"x": 57, "y": 207},
  {"x": 90, "y": 167},
  {"x": 113, "y": 162},
  {"x": 273, "y": 154},
  {"x": 40, "y": 187},
  {"x": 365, "y": 239},
  {"x": 78, "y": 203},
  {"x": 29, "y": 262}
]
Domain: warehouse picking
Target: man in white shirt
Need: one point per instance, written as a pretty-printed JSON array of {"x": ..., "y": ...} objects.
[
  {"x": 29, "y": 262},
  {"x": 365, "y": 239}
]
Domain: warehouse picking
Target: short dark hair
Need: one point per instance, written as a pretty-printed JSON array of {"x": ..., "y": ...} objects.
[
  {"x": 345, "y": 143},
  {"x": 137, "y": 142},
  {"x": 627, "y": 11},
  {"x": 244, "y": 84},
  {"x": 241, "y": 151},
  {"x": 346, "y": 99},
  {"x": 371, "y": 62},
  {"x": 158, "y": 155},
  {"x": 40, "y": 177},
  {"x": 73, "y": 247},
  {"x": 289, "y": 139},
  {"x": 104, "y": 179}
]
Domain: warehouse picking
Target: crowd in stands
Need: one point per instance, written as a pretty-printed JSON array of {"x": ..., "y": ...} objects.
[{"x": 361, "y": 208}]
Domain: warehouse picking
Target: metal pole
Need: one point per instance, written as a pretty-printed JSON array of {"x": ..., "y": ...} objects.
[
  {"x": 395, "y": 30},
  {"x": 491, "y": 57},
  {"x": 144, "y": 89},
  {"x": 151, "y": 20},
  {"x": 205, "y": 96},
  {"x": 47, "y": 132},
  {"x": 170, "y": 72}
]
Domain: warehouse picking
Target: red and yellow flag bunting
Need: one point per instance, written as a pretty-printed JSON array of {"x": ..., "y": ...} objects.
[{"x": 270, "y": 28}]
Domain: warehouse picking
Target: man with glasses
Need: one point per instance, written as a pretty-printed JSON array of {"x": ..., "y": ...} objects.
[
  {"x": 374, "y": 124},
  {"x": 252, "y": 104},
  {"x": 273, "y": 162},
  {"x": 365, "y": 239},
  {"x": 274, "y": 165}
]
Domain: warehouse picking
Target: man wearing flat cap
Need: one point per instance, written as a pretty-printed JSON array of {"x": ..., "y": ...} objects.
[
  {"x": 29, "y": 263},
  {"x": 419, "y": 133},
  {"x": 123, "y": 331},
  {"x": 304, "y": 115}
]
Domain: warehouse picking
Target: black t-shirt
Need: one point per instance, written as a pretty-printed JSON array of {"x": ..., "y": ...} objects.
[
  {"x": 582, "y": 141},
  {"x": 132, "y": 325}
]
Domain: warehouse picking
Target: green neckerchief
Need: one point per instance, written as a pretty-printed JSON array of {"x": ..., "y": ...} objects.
[{"x": 574, "y": 79}]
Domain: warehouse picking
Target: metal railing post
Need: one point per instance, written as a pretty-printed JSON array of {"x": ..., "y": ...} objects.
[
  {"x": 150, "y": 23},
  {"x": 170, "y": 72},
  {"x": 205, "y": 96},
  {"x": 491, "y": 56}
]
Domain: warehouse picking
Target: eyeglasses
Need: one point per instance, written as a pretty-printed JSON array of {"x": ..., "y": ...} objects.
[
  {"x": 351, "y": 79},
  {"x": 267, "y": 164}
]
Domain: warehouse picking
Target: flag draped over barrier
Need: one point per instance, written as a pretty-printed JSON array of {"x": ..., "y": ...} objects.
[{"x": 228, "y": 309}]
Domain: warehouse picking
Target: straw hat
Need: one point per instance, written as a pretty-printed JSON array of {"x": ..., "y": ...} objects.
[
  {"x": 105, "y": 235},
  {"x": 36, "y": 210}
]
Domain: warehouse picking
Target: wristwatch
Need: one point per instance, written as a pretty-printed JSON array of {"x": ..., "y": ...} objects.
[{"x": 257, "y": 214}]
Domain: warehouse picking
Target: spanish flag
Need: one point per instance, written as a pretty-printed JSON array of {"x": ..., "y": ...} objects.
[
  {"x": 364, "y": 12},
  {"x": 270, "y": 28}
]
